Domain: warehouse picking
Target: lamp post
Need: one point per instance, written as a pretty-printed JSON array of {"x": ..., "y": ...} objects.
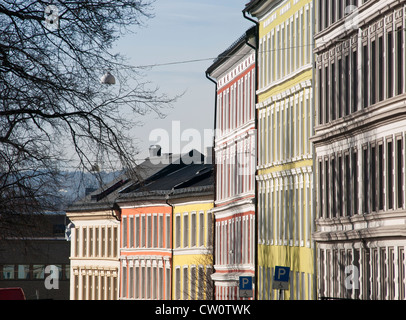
[{"x": 108, "y": 78}]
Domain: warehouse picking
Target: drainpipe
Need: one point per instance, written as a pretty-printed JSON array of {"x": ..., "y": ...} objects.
[
  {"x": 256, "y": 148},
  {"x": 215, "y": 101},
  {"x": 213, "y": 161},
  {"x": 169, "y": 204}
]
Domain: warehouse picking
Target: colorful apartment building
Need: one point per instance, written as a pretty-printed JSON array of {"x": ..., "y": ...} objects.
[
  {"x": 359, "y": 148},
  {"x": 193, "y": 241},
  {"x": 235, "y": 159},
  {"x": 94, "y": 244},
  {"x": 164, "y": 224},
  {"x": 94, "y": 251},
  {"x": 284, "y": 124}
]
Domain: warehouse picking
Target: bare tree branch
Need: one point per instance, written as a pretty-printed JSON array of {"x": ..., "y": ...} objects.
[{"x": 52, "y": 105}]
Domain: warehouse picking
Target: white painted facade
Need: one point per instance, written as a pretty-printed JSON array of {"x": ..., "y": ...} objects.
[
  {"x": 235, "y": 156},
  {"x": 359, "y": 142}
]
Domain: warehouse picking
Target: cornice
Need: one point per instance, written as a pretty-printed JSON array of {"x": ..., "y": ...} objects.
[{"x": 385, "y": 112}]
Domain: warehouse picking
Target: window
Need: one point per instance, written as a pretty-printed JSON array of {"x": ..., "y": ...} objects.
[
  {"x": 321, "y": 85},
  {"x": 77, "y": 241},
  {"x": 347, "y": 85},
  {"x": 340, "y": 195},
  {"x": 320, "y": 15},
  {"x": 161, "y": 283},
  {"x": 333, "y": 11},
  {"x": 24, "y": 271},
  {"x": 167, "y": 283},
  {"x": 327, "y": 187},
  {"x": 137, "y": 231},
  {"x": 177, "y": 284},
  {"x": 373, "y": 177},
  {"x": 380, "y": 79},
  {"x": 90, "y": 242},
  {"x": 161, "y": 231},
  {"x": 333, "y": 92},
  {"x": 38, "y": 271},
  {"x": 8, "y": 271},
  {"x": 365, "y": 179},
  {"x": 109, "y": 241},
  {"x": 178, "y": 231},
  {"x": 201, "y": 228},
  {"x": 389, "y": 58},
  {"x": 399, "y": 172},
  {"x": 154, "y": 282},
  {"x": 131, "y": 232},
  {"x": 402, "y": 273},
  {"x": 124, "y": 232},
  {"x": 149, "y": 231},
  {"x": 142, "y": 288},
  {"x": 148, "y": 282},
  {"x": 209, "y": 227},
  {"x": 340, "y": 88},
  {"x": 380, "y": 177},
  {"x": 365, "y": 73},
  {"x": 103, "y": 237},
  {"x": 168, "y": 231},
  {"x": 124, "y": 282},
  {"x": 193, "y": 230},
  {"x": 373, "y": 73},
  {"x": 131, "y": 282},
  {"x": 354, "y": 75},
  {"x": 355, "y": 180},
  {"x": 347, "y": 184},
  {"x": 390, "y": 182},
  {"x": 155, "y": 231},
  {"x": 185, "y": 230},
  {"x": 321, "y": 190},
  {"x": 193, "y": 279},
  {"x": 115, "y": 242},
  {"x": 334, "y": 186},
  {"x": 97, "y": 240},
  {"x": 399, "y": 61},
  {"x": 137, "y": 281},
  {"x": 143, "y": 231}
]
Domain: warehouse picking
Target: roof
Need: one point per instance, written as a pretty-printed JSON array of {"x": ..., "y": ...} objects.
[
  {"x": 177, "y": 178},
  {"x": 105, "y": 196},
  {"x": 255, "y": 6},
  {"x": 226, "y": 54},
  {"x": 158, "y": 179},
  {"x": 250, "y": 5}
]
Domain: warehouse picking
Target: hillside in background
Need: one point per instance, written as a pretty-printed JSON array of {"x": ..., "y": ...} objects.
[{"x": 75, "y": 185}]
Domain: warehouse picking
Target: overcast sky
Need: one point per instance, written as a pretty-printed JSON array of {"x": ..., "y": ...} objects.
[{"x": 183, "y": 30}]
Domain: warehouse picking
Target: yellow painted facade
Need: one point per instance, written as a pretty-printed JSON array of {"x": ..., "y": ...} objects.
[
  {"x": 192, "y": 250},
  {"x": 285, "y": 123}
]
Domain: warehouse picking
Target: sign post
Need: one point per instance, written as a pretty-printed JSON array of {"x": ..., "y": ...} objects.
[
  {"x": 245, "y": 287},
  {"x": 281, "y": 279}
]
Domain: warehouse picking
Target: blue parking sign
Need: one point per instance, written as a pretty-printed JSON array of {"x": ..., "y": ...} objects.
[
  {"x": 281, "y": 278},
  {"x": 245, "y": 286},
  {"x": 282, "y": 274},
  {"x": 245, "y": 283}
]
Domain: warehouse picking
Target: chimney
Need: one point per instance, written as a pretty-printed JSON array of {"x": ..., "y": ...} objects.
[{"x": 154, "y": 151}]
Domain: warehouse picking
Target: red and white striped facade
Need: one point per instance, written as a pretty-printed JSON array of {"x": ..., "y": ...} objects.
[{"x": 235, "y": 145}]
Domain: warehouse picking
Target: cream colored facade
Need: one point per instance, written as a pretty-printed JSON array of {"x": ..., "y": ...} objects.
[{"x": 94, "y": 255}]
